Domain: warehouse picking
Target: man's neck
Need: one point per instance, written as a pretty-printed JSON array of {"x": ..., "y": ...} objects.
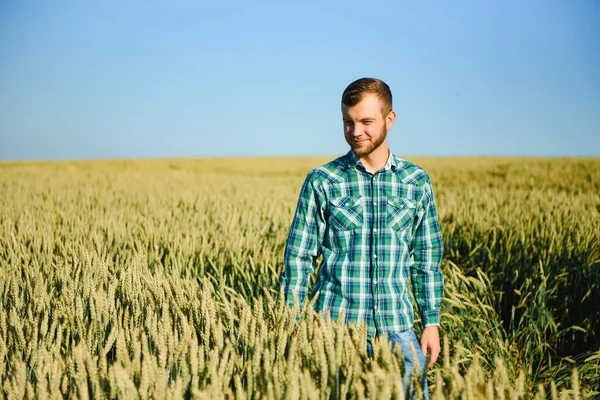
[{"x": 377, "y": 159}]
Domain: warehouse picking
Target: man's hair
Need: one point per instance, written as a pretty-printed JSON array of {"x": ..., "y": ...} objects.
[{"x": 355, "y": 91}]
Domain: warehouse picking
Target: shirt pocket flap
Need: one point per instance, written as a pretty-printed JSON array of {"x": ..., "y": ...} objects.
[
  {"x": 345, "y": 202},
  {"x": 346, "y": 213},
  {"x": 400, "y": 203}
]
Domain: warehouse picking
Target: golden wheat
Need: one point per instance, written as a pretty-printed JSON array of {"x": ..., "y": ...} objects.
[{"x": 160, "y": 279}]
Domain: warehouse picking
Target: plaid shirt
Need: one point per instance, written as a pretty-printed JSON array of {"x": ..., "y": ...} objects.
[{"x": 372, "y": 230}]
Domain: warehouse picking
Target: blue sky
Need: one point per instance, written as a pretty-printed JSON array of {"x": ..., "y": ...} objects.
[{"x": 128, "y": 79}]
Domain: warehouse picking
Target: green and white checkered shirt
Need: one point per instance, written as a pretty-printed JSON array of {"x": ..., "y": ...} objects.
[{"x": 372, "y": 230}]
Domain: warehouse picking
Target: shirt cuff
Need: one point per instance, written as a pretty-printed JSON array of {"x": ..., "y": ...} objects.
[{"x": 431, "y": 318}]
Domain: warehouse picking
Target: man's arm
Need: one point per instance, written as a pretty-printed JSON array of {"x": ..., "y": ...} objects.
[
  {"x": 304, "y": 242},
  {"x": 427, "y": 279}
]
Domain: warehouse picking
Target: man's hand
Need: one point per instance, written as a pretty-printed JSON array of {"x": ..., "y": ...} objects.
[{"x": 430, "y": 340}]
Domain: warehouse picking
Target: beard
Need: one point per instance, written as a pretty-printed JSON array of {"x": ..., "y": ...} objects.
[{"x": 370, "y": 146}]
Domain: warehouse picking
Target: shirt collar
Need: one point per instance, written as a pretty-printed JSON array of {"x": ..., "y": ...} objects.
[
  {"x": 388, "y": 163},
  {"x": 353, "y": 161}
]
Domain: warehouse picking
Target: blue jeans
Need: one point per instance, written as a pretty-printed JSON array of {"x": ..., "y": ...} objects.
[{"x": 405, "y": 339}]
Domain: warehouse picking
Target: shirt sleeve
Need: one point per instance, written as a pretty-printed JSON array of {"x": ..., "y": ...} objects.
[
  {"x": 304, "y": 242},
  {"x": 427, "y": 278}
]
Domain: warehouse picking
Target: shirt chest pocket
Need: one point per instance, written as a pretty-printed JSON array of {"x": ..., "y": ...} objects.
[
  {"x": 346, "y": 213},
  {"x": 400, "y": 213}
]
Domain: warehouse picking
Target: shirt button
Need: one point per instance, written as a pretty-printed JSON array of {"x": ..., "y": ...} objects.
[
  {"x": 375, "y": 308},
  {"x": 375, "y": 203},
  {"x": 375, "y": 230},
  {"x": 375, "y": 282},
  {"x": 374, "y": 255}
]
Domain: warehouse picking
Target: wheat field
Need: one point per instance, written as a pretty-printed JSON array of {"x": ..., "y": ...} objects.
[{"x": 159, "y": 279}]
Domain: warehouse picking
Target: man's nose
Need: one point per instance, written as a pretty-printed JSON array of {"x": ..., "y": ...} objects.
[{"x": 356, "y": 130}]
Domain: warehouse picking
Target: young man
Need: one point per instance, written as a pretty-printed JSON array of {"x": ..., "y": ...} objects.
[{"x": 372, "y": 217}]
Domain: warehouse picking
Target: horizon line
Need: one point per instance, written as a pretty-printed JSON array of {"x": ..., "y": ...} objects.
[{"x": 222, "y": 157}]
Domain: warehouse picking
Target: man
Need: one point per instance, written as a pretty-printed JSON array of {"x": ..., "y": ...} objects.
[{"x": 372, "y": 217}]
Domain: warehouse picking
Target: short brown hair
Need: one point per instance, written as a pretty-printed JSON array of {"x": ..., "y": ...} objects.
[{"x": 355, "y": 91}]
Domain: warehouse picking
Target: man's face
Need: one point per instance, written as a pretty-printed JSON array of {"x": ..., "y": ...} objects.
[{"x": 365, "y": 126}]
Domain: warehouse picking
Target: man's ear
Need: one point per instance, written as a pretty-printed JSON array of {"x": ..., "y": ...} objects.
[{"x": 389, "y": 120}]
